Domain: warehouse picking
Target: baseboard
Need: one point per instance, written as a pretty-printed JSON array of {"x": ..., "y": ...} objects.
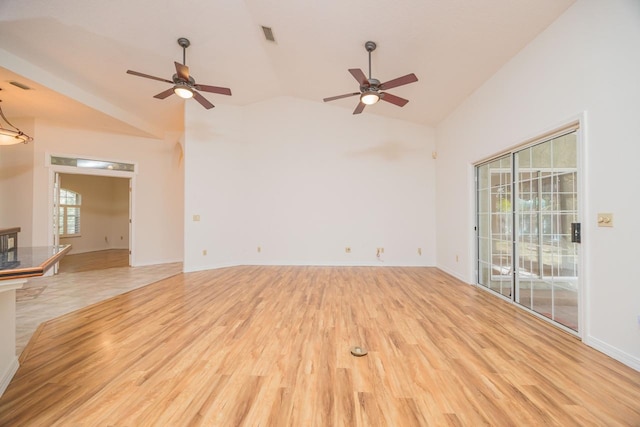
[
  {"x": 192, "y": 269},
  {"x": 148, "y": 263},
  {"x": 8, "y": 375},
  {"x": 454, "y": 274},
  {"x": 382, "y": 263},
  {"x": 613, "y": 352},
  {"x": 189, "y": 269}
]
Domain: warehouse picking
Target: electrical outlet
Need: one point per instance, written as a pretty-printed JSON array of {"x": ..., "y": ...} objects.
[
  {"x": 605, "y": 220},
  {"x": 457, "y": 258},
  {"x": 204, "y": 252},
  {"x": 347, "y": 250},
  {"x": 259, "y": 249},
  {"x": 196, "y": 217},
  {"x": 419, "y": 251}
]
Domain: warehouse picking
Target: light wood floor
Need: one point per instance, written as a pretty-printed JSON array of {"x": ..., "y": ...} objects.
[
  {"x": 84, "y": 279},
  {"x": 97, "y": 260},
  {"x": 270, "y": 346}
]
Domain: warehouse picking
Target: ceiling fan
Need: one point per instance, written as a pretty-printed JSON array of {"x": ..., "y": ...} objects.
[
  {"x": 370, "y": 88},
  {"x": 183, "y": 84}
]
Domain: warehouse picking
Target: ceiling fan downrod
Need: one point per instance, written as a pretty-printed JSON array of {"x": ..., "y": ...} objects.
[
  {"x": 184, "y": 43},
  {"x": 370, "y": 46}
]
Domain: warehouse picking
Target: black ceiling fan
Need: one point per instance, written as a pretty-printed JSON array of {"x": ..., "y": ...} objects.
[
  {"x": 370, "y": 88},
  {"x": 184, "y": 85}
]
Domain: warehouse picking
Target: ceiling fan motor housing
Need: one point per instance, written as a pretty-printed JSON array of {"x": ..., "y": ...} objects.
[
  {"x": 176, "y": 79},
  {"x": 373, "y": 85}
]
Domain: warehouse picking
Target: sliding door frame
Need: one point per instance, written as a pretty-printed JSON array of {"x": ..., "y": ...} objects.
[{"x": 577, "y": 125}]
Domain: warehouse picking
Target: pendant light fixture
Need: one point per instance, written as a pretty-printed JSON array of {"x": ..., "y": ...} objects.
[{"x": 11, "y": 135}]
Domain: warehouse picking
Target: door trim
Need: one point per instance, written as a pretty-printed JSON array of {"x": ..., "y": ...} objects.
[{"x": 53, "y": 169}]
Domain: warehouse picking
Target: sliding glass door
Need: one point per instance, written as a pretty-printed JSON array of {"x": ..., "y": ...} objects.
[
  {"x": 528, "y": 228},
  {"x": 495, "y": 225},
  {"x": 547, "y": 192}
]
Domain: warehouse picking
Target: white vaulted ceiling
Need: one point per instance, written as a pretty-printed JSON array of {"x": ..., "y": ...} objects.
[{"x": 75, "y": 53}]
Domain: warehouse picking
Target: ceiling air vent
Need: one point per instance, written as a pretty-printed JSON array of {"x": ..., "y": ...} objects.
[
  {"x": 20, "y": 85},
  {"x": 268, "y": 33}
]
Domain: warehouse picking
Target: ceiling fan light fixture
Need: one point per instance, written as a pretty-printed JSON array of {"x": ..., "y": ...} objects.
[
  {"x": 183, "y": 91},
  {"x": 369, "y": 97},
  {"x": 12, "y": 136}
]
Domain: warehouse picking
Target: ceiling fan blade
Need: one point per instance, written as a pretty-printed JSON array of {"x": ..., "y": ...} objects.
[
  {"x": 333, "y": 98},
  {"x": 359, "y": 108},
  {"x": 409, "y": 78},
  {"x": 395, "y": 100},
  {"x": 163, "y": 95},
  {"x": 202, "y": 100},
  {"x": 359, "y": 76},
  {"x": 214, "y": 89},
  {"x": 147, "y": 76},
  {"x": 182, "y": 71}
]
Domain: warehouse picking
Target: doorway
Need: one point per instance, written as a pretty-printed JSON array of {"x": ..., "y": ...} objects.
[
  {"x": 93, "y": 217},
  {"x": 528, "y": 228},
  {"x": 111, "y": 187}
]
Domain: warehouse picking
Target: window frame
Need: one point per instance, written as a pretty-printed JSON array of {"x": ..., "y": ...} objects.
[{"x": 63, "y": 214}]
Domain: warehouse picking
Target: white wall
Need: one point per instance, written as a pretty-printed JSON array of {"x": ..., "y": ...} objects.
[
  {"x": 157, "y": 216},
  {"x": 118, "y": 237},
  {"x": 587, "y": 61},
  {"x": 8, "y": 359},
  {"x": 104, "y": 222},
  {"x": 303, "y": 180},
  {"x": 16, "y": 184}
]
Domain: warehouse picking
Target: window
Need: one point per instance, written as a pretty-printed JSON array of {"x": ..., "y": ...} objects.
[
  {"x": 92, "y": 164},
  {"x": 69, "y": 214}
]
